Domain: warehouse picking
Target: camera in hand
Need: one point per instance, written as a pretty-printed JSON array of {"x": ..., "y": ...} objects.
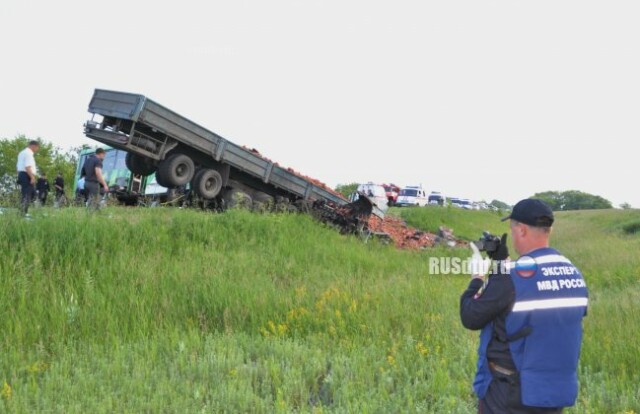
[{"x": 487, "y": 243}]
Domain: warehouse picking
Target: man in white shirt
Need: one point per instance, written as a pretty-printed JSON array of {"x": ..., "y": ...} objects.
[{"x": 26, "y": 167}]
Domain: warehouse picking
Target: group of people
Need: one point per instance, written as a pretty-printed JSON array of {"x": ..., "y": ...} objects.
[
  {"x": 531, "y": 334},
  {"x": 33, "y": 187},
  {"x": 42, "y": 188}
]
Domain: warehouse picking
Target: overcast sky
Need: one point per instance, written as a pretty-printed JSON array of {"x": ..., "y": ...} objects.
[{"x": 477, "y": 99}]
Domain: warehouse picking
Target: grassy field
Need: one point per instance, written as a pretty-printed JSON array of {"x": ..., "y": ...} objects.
[{"x": 168, "y": 310}]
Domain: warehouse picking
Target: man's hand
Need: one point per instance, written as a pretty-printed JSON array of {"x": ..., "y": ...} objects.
[
  {"x": 479, "y": 265},
  {"x": 105, "y": 187},
  {"x": 32, "y": 174},
  {"x": 502, "y": 253}
]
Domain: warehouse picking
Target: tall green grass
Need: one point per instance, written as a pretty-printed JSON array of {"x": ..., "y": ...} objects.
[{"x": 169, "y": 310}]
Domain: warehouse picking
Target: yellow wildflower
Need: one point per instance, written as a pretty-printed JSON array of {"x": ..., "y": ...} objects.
[
  {"x": 391, "y": 360},
  {"x": 301, "y": 291},
  {"x": 6, "y": 391},
  {"x": 37, "y": 367},
  {"x": 422, "y": 349}
]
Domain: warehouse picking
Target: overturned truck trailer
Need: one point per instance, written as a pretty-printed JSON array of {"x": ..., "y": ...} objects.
[{"x": 180, "y": 152}]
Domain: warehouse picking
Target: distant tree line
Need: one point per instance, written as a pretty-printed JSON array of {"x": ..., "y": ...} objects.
[
  {"x": 501, "y": 205},
  {"x": 573, "y": 200}
]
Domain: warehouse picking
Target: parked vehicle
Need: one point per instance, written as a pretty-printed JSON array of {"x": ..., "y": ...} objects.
[
  {"x": 466, "y": 204},
  {"x": 374, "y": 192},
  {"x": 123, "y": 184},
  {"x": 412, "y": 196},
  {"x": 392, "y": 192},
  {"x": 116, "y": 173},
  {"x": 437, "y": 198},
  {"x": 461, "y": 203}
]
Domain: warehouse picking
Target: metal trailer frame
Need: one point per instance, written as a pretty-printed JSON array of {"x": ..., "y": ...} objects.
[{"x": 137, "y": 124}]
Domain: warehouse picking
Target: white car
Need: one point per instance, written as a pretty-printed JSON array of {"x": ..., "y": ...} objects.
[
  {"x": 464, "y": 203},
  {"x": 467, "y": 204}
]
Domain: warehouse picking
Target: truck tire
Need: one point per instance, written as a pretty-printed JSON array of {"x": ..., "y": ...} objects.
[
  {"x": 175, "y": 170},
  {"x": 262, "y": 202},
  {"x": 139, "y": 165},
  {"x": 160, "y": 180},
  {"x": 234, "y": 198},
  {"x": 207, "y": 183}
]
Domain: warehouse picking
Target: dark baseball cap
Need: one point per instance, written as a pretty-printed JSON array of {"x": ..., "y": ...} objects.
[{"x": 533, "y": 212}]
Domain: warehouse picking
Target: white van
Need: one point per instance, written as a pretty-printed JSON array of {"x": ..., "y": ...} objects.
[
  {"x": 412, "y": 196},
  {"x": 375, "y": 193}
]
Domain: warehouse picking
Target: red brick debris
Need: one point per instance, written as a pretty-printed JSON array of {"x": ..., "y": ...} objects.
[
  {"x": 410, "y": 238},
  {"x": 403, "y": 236},
  {"x": 292, "y": 171}
]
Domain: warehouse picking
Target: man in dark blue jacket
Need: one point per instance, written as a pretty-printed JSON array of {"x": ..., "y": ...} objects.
[
  {"x": 94, "y": 179},
  {"x": 530, "y": 315}
]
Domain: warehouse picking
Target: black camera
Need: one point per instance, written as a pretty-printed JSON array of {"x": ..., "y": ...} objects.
[{"x": 488, "y": 242}]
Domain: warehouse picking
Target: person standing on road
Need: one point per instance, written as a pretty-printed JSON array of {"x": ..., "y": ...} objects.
[
  {"x": 42, "y": 187},
  {"x": 58, "y": 184},
  {"x": 26, "y": 167},
  {"x": 530, "y": 312},
  {"x": 93, "y": 178}
]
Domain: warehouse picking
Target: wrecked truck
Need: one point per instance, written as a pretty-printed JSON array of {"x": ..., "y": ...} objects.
[{"x": 183, "y": 153}]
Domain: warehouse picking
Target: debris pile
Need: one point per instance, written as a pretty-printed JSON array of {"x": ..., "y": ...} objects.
[
  {"x": 349, "y": 219},
  {"x": 356, "y": 218},
  {"x": 406, "y": 237},
  {"x": 403, "y": 236},
  {"x": 445, "y": 237}
]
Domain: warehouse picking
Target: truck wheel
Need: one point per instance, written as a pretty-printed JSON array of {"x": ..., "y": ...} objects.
[
  {"x": 281, "y": 204},
  {"x": 139, "y": 165},
  {"x": 234, "y": 198},
  {"x": 207, "y": 183},
  {"x": 160, "y": 179},
  {"x": 263, "y": 202},
  {"x": 175, "y": 170}
]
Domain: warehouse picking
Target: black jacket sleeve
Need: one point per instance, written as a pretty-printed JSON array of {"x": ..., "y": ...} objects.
[{"x": 498, "y": 295}]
